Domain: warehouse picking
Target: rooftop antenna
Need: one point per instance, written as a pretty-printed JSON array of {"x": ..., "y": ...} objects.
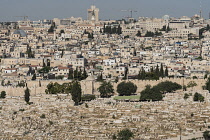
[
  {"x": 200, "y": 8},
  {"x": 131, "y": 12}
]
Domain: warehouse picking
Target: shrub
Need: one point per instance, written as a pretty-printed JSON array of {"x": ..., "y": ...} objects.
[
  {"x": 3, "y": 94},
  {"x": 198, "y": 97},
  {"x": 42, "y": 116},
  {"x": 21, "y": 109},
  {"x": 186, "y": 96}
]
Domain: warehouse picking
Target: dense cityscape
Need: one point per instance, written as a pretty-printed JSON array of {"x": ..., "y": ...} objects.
[{"x": 92, "y": 79}]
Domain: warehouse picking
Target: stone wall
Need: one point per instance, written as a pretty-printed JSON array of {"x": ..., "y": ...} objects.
[{"x": 88, "y": 86}]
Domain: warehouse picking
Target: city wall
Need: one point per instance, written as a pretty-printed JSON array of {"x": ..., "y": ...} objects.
[{"x": 90, "y": 87}]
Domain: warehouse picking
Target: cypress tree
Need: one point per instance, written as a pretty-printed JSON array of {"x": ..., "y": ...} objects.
[
  {"x": 157, "y": 73},
  {"x": 166, "y": 72},
  {"x": 143, "y": 74},
  {"x": 76, "y": 92},
  {"x": 126, "y": 73},
  {"x": 104, "y": 30},
  {"x": 76, "y": 73},
  {"x": 161, "y": 71},
  {"x": 139, "y": 75},
  {"x": 84, "y": 74},
  {"x": 27, "y": 95},
  {"x": 208, "y": 84},
  {"x": 119, "y": 30},
  {"x": 40, "y": 83},
  {"x": 152, "y": 70},
  {"x": 34, "y": 77},
  {"x": 70, "y": 75},
  {"x": 80, "y": 74}
]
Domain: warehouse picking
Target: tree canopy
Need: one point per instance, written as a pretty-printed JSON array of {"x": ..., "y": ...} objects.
[
  {"x": 126, "y": 88},
  {"x": 125, "y": 134},
  {"x": 155, "y": 93},
  {"x": 168, "y": 86},
  {"x": 76, "y": 92},
  {"x": 149, "y": 93},
  {"x": 3, "y": 94},
  {"x": 198, "y": 97},
  {"x": 106, "y": 89},
  {"x": 208, "y": 84},
  {"x": 27, "y": 95}
]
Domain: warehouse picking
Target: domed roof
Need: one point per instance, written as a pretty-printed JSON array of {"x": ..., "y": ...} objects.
[
  {"x": 22, "y": 33},
  {"x": 166, "y": 17}
]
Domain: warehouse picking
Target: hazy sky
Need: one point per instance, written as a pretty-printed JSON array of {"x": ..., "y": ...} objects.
[{"x": 109, "y": 9}]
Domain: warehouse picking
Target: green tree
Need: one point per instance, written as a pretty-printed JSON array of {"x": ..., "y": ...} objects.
[
  {"x": 27, "y": 95},
  {"x": 119, "y": 30},
  {"x": 164, "y": 28},
  {"x": 157, "y": 73},
  {"x": 139, "y": 75},
  {"x": 76, "y": 74},
  {"x": 52, "y": 27},
  {"x": 198, "y": 97},
  {"x": 29, "y": 52},
  {"x": 3, "y": 94},
  {"x": 34, "y": 77},
  {"x": 80, "y": 75},
  {"x": 62, "y": 31},
  {"x": 125, "y": 134},
  {"x": 2, "y": 82},
  {"x": 114, "y": 137},
  {"x": 186, "y": 96},
  {"x": 149, "y": 34},
  {"x": 125, "y": 73},
  {"x": 40, "y": 83},
  {"x": 21, "y": 84},
  {"x": 126, "y": 89},
  {"x": 138, "y": 34},
  {"x": 70, "y": 74},
  {"x": 100, "y": 77},
  {"x": 168, "y": 29},
  {"x": 206, "y": 135},
  {"x": 104, "y": 29},
  {"x": 116, "y": 79},
  {"x": 76, "y": 92},
  {"x": 149, "y": 93},
  {"x": 84, "y": 74},
  {"x": 191, "y": 84},
  {"x": 166, "y": 72},
  {"x": 106, "y": 89},
  {"x": 45, "y": 69},
  {"x": 161, "y": 71},
  {"x": 168, "y": 86},
  {"x": 208, "y": 84},
  {"x": 53, "y": 88},
  {"x": 207, "y": 27},
  {"x": 158, "y": 33},
  {"x": 184, "y": 88}
]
